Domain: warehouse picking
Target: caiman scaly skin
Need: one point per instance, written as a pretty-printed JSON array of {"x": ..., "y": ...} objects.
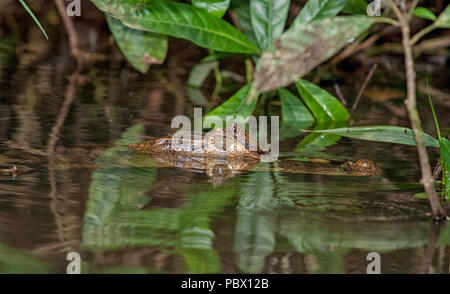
[
  {"x": 222, "y": 153},
  {"x": 362, "y": 167},
  {"x": 230, "y": 142}
]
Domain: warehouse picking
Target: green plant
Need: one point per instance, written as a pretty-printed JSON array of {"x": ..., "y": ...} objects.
[
  {"x": 281, "y": 55},
  {"x": 22, "y": 2}
]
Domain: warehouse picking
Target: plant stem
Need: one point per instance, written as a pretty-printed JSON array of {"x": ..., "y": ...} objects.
[
  {"x": 219, "y": 81},
  {"x": 411, "y": 105},
  {"x": 248, "y": 70},
  {"x": 70, "y": 29},
  {"x": 387, "y": 20},
  {"x": 422, "y": 33},
  {"x": 411, "y": 9},
  {"x": 363, "y": 88},
  {"x": 438, "y": 130}
]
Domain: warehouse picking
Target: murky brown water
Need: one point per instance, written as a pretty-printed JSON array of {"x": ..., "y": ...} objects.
[{"x": 72, "y": 195}]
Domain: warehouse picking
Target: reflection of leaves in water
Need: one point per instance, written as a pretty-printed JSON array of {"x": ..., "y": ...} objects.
[
  {"x": 269, "y": 206},
  {"x": 254, "y": 239},
  {"x": 444, "y": 236},
  {"x": 256, "y": 223},
  {"x": 7, "y": 49},
  {"x": 13, "y": 261},
  {"x": 114, "y": 218},
  {"x": 321, "y": 237}
]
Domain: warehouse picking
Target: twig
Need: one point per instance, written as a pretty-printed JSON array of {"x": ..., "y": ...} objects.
[
  {"x": 339, "y": 94},
  {"x": 431, "y": 248},
  {"x": 411, "y": 105},
  {"x": 437, "y": 171},
  {"x": 363, "y": 88},
  {"x": 70, "y": 94},
  {"x": 422, "y": 33},
  {"x": 70, "y": 28},
  {"x": 54, "y": 136}
]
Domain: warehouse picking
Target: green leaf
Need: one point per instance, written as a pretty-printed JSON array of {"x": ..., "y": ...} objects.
[
  {"x": 424, "y": 12},
  {"x": 292, "y": 108},
  {"x": 389, "y": 134},
  {"x": 268, "y": 19},
  {"x": 323, "y": 105},
  {"x": 314, "y": 143},
  {"x": 295, "y": 115},
  {"x": 141, "y": 48},
  {"x": 305, "y": 46},
  {"x": 236, "y": 104},
  {"x": 421, "y": 195},
  {"x": 179, "y": 20},
  {"x": 445, "y": 156},
  {"x": 242, "y": 9},
  {"x": 200, "y": 72},
  {"x": 28, "y": 10},
  {"x": 443, "y": 20},
  {"x": 215, "y": 7},
  {"x": 355, "y": 7},
  {"x": 318, "y": 9}
]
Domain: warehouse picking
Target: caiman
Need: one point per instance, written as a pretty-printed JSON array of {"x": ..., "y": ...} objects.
[{"x": 223, "y": 153}]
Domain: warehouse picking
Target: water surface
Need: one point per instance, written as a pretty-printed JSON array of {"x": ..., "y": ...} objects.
[{"x": 80, "y": 189}]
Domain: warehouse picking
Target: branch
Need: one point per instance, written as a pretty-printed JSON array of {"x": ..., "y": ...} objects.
[{"x": 422, "y": 33}]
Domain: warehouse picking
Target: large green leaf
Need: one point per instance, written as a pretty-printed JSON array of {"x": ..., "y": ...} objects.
[
  {"x": 318, "y": 9},
  {"x": 215, "y": 7},
  {"x": 323, "y": 105},
  {"x": 295, "y": 115},
  {"x": 237, "y": 104},
  {"x": 445, "y": 155},
  {"x": 293, "y": 110},
  {"x": 242, "y": 9},
  {"x": 355, "y": 7},
  {"x": 303, "y": 47},
  {"x": 179, "y": 20},
  {"x": 141, "y": 48},
  {"x": 390, "y": 134},
  {"x": 443, "y": 20},
  {"x": 268, "y": 19}
]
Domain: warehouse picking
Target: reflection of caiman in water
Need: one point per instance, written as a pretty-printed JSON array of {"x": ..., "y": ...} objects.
[{"x": 223, "y": 153}]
